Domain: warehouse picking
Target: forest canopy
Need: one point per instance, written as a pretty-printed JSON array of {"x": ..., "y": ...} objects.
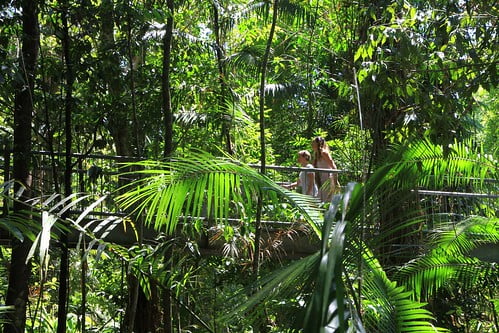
[
  {"x": 411, "y": 68},
  {"x": 187, "y": 97}
]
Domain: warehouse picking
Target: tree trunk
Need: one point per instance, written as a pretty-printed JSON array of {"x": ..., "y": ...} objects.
[
  {"x": 149, "y": 319},
  {"x": 64, "y": 269},
  {"x": 6, "y": 176},
  {"x": 136, "y": 131},
  {"x": 17, "y": 292},
  {"x": 166, "y": 84},
  {"x": 263, "y": 73},
  {"x": 168, "y": 128}
]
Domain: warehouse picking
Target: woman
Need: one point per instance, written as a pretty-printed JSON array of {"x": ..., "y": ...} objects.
[
  {"x": 306, "y": 180},
  {"x": 327, "y": 182}
]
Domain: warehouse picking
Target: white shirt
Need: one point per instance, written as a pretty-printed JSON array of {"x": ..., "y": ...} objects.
[{"x": 304, "y": 181}]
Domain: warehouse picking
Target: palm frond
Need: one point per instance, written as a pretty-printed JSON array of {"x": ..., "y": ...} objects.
[
  {"x": 450, "y": 258},
  {"x": 463, "y": 237},
  {"x": 42, "y": 241},
  {"x": 291, "y": 12},
  {"x": 422, "y": 164},
  {"x": 326, "y": 309},
  {"x": 50, "y": 210},
  {"x": 296, "y": 13},
  {"x": 388, "y": 307},
  {"x": 248, "y": 58},
  {"x": 282, "y": 90},
  {"x": 460, "y": 164},
  {"x": 19, "y": 227},
  {"x": 203, "y": 186},
  {"x": 428, "y": 274},
  {"x": 237, "y": 12},
  {"x": 280, "y": 284},
  {"x": 189, "y": 118},
  {"x": 229, "y": 112},
  {"x": 390, "y": 196}
]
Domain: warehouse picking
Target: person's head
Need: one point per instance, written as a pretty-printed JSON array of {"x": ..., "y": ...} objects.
[
  {"x": 319, "y": 144},
  {"x": 304, "y": 157}
]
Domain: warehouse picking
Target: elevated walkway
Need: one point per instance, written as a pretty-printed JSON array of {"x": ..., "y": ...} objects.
[{"x": 98, "y": 174}]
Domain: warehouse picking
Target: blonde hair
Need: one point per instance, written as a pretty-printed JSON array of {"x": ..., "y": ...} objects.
[{"x": 306, "y": 154}]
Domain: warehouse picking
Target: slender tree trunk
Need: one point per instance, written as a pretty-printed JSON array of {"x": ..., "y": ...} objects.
[
  {"x": 166, "y": 84},
  {"x": 131, "y": 310},
  {"x": 83, "y": 259},
  {"x": 17, "y": 292},
  {"x": 68, "y": 102},
  {"x": 310, "y": 95},
  {"x": 263, "y": 156},
  {"x": 136, "y": 130},
  {"x": 49, "y": 132},
  {"x": 168, "y": 140},
  {"x": 6, "y": 175}
]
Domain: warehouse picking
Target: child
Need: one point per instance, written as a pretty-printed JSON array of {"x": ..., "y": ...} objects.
[{"x": 305, "y": 179}]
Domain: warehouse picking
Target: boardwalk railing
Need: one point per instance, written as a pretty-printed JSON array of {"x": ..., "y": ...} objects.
[
  {"x": 99, "y": 174},
  {"x": 454, "y": 206}
]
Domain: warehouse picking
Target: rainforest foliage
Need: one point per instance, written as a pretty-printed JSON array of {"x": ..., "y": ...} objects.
[{"x": 147, "y": 118}]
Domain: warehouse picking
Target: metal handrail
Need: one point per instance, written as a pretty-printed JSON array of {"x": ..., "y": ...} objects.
[
  {"x": 297, "y": 169},
  {"x": 459, "y": 194},
  {"x": 97, "y": 156}
]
